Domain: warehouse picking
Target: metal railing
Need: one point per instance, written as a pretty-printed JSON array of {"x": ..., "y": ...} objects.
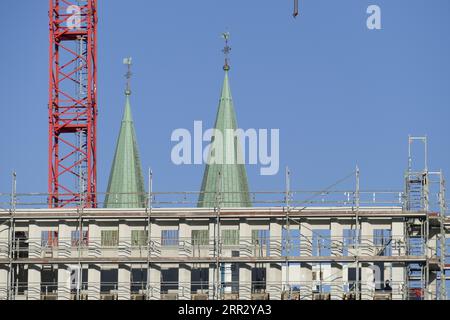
[
  {"x": 297, "y": 198},
  {"x": 295, "y": 290},
  {"x": 247, "y": 246}
]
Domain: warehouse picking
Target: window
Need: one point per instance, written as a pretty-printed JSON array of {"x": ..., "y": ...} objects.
[
  {"x": 49, "y": 239},
  {"x": 200, "y": 237},
  {"x": 230, "y": 237},
  {"x": 321, "y": 243},
  {"x": 258, "y": 280},
  {"x": 138, "y": 238},
  {"x": 169, "y": 237},
  {"x": 350, "y": 241},
  {"x": 75, "y": 238},
  {"x": 260, "y": 239},
  {"x": 382, "y": 241},
  {"x": 169, "y": 280},
  {"x": 199, "y": 280},
  {"x": 138, "y": 280},
  {"x": 290, "y": 242},
  {"x": 108, "y": 280},
  {"x": 110, "y": 238}
]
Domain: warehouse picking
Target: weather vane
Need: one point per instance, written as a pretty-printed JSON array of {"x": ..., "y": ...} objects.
[
  {"x": 127, "y": 61},
  {"x": 226, "y": 50}
]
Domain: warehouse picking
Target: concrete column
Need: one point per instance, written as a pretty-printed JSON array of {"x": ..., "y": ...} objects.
[
  {"x": 184, "y": 282},
  {"x": 367, "y": 281},
  {"x": 34, "y": 282},
  {"x": 184, "y": 270},
  {"x": 155, "y": 282},
  {"x": 337, "y": 245},
  {"x": 34, "y": 241},
  {"x": 34, "y": 271},
  {"x": 245, "y": 269},
  {"x": 337, "y": 288},
  {"x": 4, "y": 281},
  {"x": 211, "y": 281},
  {"x": 64, "y": 282},
  {"x": 4, "y": 241},
  {"x": 4, "y": 251},
  {"x": 273, "y": 270},
  {"x": 398, "y": 280},
  {"x": 337, "y": 238},
  {"x": 155, "y": 240},
  {"x": 124, "y": 270},
  {"x": 94, "y": 273},
  {"x": 94, "y": 240},
  {"x": 64, "y": 251},
  {"x": 305, "y": 268},
  {"x": 184, "y": 233},
  {"x": 64, "y": 240},
  {"x": 366, "y": 247},
  {"x": 245, "y": 280},
  {"x": 124, "y": 239},
  {"x": 124, "y": 279}
]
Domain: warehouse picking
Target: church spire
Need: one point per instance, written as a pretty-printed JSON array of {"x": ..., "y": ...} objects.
[
  {"x": 126, "y": 183},
  {"x": 221, "y": 175}
]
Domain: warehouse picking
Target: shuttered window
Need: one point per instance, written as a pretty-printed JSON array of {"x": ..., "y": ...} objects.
[
  {"x": 260, "y": 241},
  {"x": 138, "y": 238},
  {"x": 169, "y": 237},
  {"x": 200, "y": 237},
  {"x": 110, "y": 238},
  {"x": 230, "y": 237}
]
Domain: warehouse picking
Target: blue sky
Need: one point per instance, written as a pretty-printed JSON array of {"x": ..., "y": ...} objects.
[{"x": 339, "y": 93}]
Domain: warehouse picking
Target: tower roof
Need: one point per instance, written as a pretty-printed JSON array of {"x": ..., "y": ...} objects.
[
  {"x": 126, "y": 183},
  {"x": 221, "y": 175}
]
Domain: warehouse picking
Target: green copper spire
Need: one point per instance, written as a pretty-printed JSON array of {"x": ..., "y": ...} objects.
[
  {"x": 126, "y": 183},
  {"x": 230, "y": 179}
]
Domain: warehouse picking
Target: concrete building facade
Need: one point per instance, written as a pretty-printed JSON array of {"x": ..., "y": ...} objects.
[{"x": 231, "y": 253}]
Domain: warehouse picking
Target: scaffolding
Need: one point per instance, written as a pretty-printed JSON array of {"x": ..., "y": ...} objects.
[{"x": 416, "y": 247}]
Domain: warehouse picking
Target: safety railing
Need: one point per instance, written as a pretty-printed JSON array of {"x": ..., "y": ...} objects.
[
  {"x": 246, "y": 246},
  {"x": 176, "y": 199},
  {"x": 173, "y": 290}
]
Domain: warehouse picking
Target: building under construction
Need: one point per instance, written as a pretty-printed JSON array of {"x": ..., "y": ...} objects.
[{"x": 223, "y": 242}]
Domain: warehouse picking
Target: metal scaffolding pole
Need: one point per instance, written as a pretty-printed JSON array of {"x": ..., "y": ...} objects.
[
  {"x": 358, "y": 234},
  {"x": 442, "y": 205},
  {"x": 218, "y": 203},
  {"x": 287, "y": 227},
  {"x": 11, "y": 236},
  {"x": 80, "y": 207},
  {"x": 149, "y": 229}
]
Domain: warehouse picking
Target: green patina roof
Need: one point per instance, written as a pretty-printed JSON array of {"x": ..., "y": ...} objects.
[
  {"x": 126, "y": 183},
  {"x": 234, "y": 185}
]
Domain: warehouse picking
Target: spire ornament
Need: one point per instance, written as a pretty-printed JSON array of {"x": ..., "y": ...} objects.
[
  {"x": 226, "y": 50},
  {"x": 128, "y": 63}
]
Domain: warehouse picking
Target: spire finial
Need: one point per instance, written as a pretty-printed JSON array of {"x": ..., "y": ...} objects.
[
  {"x": 127, "y": 61},
  {"x": 226, "y": 50}
]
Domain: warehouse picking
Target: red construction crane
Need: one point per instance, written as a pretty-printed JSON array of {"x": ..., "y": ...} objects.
[{"x": 72, "y": 107}]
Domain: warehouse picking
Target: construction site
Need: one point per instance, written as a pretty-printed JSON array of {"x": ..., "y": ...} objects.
[{"x": 222, "y": 242}]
